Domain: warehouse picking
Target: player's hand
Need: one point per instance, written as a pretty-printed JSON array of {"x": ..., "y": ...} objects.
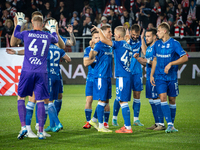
[
  {"x": 167, "y": 68},
  {"x": 51, "y": 25},
  {"x": 95, "y": 28},
  {"x": 69, "y": 28},
  {"x": 20, "y": 18},
  {"x": 10, "y": 51},
  {"x": 136, "y": 55},
  {"x": 142, "y": 35},
  {"x": 127, "y": 36},
  {"x": 91, "y": 44},
  {"x": 152, "y": 81}
]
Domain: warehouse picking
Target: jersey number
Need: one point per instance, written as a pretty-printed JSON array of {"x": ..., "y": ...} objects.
[
  {"x": 34, "y": 48},
  {"x": 56, "y": 58},
  {"x": 124, "y": 58}
]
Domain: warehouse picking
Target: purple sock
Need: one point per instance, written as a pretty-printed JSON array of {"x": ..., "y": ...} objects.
[
  {"x": 41, "y": 115},
  {"x": 22, "y": 112}
]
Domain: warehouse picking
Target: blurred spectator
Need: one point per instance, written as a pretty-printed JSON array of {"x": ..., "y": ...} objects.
[
  {"x": 86, "y": 6},
  {"x": 97, "y": 5},
  {"x": 185, "y": 3},
  {"x": 161, "y": 19},
  {"x": 28, "y": 24},
  {"x": 192, "y": 10},
  {"x": 128, "y": 4},
  {"x": 6, "y": 16},
  {"x": 150, "y": 26},
  {"x": 157, "y": 8},
  {"x": 87, "y": 25},
  {"x": 88, "y": 13},
  {"x": 126, "y": 26},
  {"x": 32, "y": 9},
  {"x": 61, "y": 9},
  {"x": 145, "y": 14},
  {"x": 46, "y": 9},
  {"x": 126, "y": 18},
  {"x": 196, "y": 33},
  {"x": 78, "y": 6},
  {"x": 179, "y": 11},
  {"x": 12, "y": 10},
  {"x": 198, "y": 9},
  {"x": 47, "y": 16},
  {"x": 103, "y": 22},
  {"x": 75, "y": 17},
  {"x": 97, "y": 19},
  {"x": 62, "y": 24},
  {"x": 138, "y": 5},
  {"x": 8, "y": 30},
  {"x": 171, "y": 11},
  {"x": 189, "y": 21},
  {"x": 19, "y": 5},
  {"x": 77, "y": 33},
  {"x": 113, "y": 20},
  {"x": 1, "y": 10},
  {"x": 1, "y": 28},
  {"x": 113, "y": 6}
]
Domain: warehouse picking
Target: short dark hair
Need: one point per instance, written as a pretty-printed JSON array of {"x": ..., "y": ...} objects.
[
  {"x": 136, "y": 28},
  {"x": 36, "y": 13},
  {"x": 152, "y": 30},
  {"x": 95, "y": 31},
  {"x": 105, "y": 27}
]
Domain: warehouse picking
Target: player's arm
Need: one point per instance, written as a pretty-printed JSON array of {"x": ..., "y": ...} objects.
[
  {"x": 20, "y": 21},
  {"x": 67, "y": 58},
  {"x": 72, "y": 40},
  {"x": 60, "y": 43},
  {"x": 179, "y": 61},
  {"x": 127, "y": 36},
  {"x": 87, "y": 61},
  {"x": 12, "y": 51},
  {"x": 13, "y": 39},
  {"x": 103, "y": 39},
  {"x": 141, "y": 60},
  {"x": 153, "y": 68},
  {"x": 144, "y": 46}
]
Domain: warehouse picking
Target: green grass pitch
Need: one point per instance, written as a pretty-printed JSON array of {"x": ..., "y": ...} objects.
[{"x": 73, "y": 136}]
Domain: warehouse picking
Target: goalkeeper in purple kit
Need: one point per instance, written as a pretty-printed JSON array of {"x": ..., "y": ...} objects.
[{"x": 34, "y": 71}]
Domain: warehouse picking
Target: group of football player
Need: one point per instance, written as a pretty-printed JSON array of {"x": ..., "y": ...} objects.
[{"x": 41, "y": 79}]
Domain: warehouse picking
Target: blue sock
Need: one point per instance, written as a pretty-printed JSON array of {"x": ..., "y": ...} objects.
[
  {"x": 46, "y": 112},
  {"x": 53, "y": 113},
  {"x": 95, "y": 113},
  {"x": 106, "y": 116},
  {"x": 116, "y": 107},
  {"x": 166, "y": 112},
  {"x": 136, "y": 107},
  {"x": 88, "y": 114},
  {"x": 29, "y": 112},
  {"x": 173, "y": 111},
  {"x": 100, "y": 111},
  {"x": 126, "y": 114},
  {"x": 58, "y": 104},
  {"x": 159, "y": 110},
  {"x": 154, "y": 110},
  {"x": 36, "y": 113}
]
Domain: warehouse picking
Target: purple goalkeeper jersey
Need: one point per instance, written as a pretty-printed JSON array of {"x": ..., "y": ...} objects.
[{"x": 36, "y": 48}]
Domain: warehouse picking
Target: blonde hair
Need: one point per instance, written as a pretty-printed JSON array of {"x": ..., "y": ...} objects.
[
  {"x": 165, "y": 25},
  {"x": 8, "y": 20},
  {"x": 121, "y": 30}
]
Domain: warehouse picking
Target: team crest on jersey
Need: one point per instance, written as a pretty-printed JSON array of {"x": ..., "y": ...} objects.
[{"x": 163, "y": 46}]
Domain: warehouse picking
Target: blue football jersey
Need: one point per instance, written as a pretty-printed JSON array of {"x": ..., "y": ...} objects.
[
  {"x": 149, "y": 55},
  {"x": 54, "y": 55},
  {"x": 103, "y": 67},
  {"x": 136, "y": 67},
  {"x": 122, "y": 57},
  {"x": 90, "y": 75},
  {"x": 167, "y": 52}
]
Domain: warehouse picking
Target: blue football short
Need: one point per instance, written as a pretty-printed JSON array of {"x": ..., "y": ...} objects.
[
  {"x": 54, "y": 88},
  {"x": 169, "y": 87},
  {"x": 102, "y": 89},
  {"x": 36, "y": 82},
  {"x": 151, "y": 91},
  {"x": 137, "y": 82},
  {"x": 123, "y": 89},
  {"x": 89, "y": 88}
]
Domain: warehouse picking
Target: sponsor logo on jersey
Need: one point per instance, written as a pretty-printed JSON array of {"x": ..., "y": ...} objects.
[
  {"x": 35, "y": 61},
  {"x": 163, "y": 56}
]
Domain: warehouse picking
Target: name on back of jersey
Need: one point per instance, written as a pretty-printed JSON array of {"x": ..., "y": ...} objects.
[{"x": 42, "y": 36}]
